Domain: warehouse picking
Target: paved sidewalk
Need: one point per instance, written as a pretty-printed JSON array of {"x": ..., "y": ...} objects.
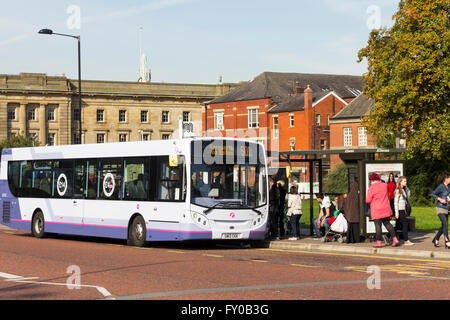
[{"x": 422, "y": 248}]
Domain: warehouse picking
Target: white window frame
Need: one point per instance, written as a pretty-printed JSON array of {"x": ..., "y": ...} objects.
[
  {"x": 291, "y": 121},
  {"x": 165, "y": 114},
  {"x": 317, "y": 119},
  {"x": 123, "y": 137},
  {"x": 348, "y": 137},
  {"x": 219, "y": 125},
  {"x": 276, "y": 132},
  {"x": 253, "y": 118},
  {"x": 362, "y": 136}
]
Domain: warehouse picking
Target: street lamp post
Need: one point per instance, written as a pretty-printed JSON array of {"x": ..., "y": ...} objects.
[{"x": 50, "y": 32}]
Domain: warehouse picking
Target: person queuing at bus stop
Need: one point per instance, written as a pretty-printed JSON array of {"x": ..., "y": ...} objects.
[
  {"x": 281, "y": 202},
  {"x": 442, "y": 196},
  {"x": 273, "y": 210},
  {"x": 380, "y": 208},
  {"x": 325, "y": 213},
  {"x": 401, "y": 198},
  {"x": 294, "y": 212},
  {"x": 351, "y": 213}
]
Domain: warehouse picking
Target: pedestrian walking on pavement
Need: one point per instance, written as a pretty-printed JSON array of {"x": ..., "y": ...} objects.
[
  {"x": 442, "y": 195},
  {"x": 401, "y": 200},
  {"x": 351, "y": 213},
  {"x": 380, "y": 208},
  {"x": 294, "y": 212}
]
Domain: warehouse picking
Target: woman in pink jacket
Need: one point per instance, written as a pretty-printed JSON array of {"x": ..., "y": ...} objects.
[{"x": 380, "y": 208}]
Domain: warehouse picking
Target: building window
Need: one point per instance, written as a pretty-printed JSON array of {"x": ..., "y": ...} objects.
[
  {"x": 165, "y": 117},
  {"x": 122, "y": 115},
  {"x": 123, "y": 137},
  {"x": 362, "y": 136},
  {"x": 328, "y": 120},
  {"x": 347, "y": 137},
  {"x": 31, "y": 114},
  {"x": 100, "y": 115},
  {"x": 76, "y": 138},
  {"x": 275, "y": 128},
  {"x": 145, "y": 137},
  {"x": 186, "y": 116},
  {"x": 218, "y": 120},
  {"x": 51, "y": 139},
  {"x": 318, "y": 120},
  {"x": 292, "y": 143},
  {"x": 76, "y": 114},
  {"x": 11, "y": 113},
  {"x": 165, "y": 136},
  {"x": 144, "y": 116},
  {"x": 291, "y": 120},
  {"x": 323, "y": 144},
  {"x": 253, "y": 118},
  {"x": 51, "y": 114},
  {"x": 100, "y": 138}
]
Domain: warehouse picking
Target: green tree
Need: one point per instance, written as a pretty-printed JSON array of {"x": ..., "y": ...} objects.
[
  {"x": 17, "y": 142},
  {"x": 337, "y": 180},
  {"x": 408, "y": 77}
]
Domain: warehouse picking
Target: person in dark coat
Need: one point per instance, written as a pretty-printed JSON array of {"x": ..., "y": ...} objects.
[
  {"x": 274, "y": 199},
  {"x": 281, "y": 200},
  {"x": 351, "y": 213}
]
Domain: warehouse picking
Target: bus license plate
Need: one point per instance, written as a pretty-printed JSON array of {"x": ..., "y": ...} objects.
[{"x": 231, "y": 235}]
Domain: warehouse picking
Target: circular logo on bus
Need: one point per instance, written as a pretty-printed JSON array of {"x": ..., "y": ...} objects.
[
  {"x": 108, "y": 185},
  {"x": 61, "y": 184}
]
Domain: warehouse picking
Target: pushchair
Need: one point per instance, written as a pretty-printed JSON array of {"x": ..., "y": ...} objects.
[{"x": 337, "y": 230}]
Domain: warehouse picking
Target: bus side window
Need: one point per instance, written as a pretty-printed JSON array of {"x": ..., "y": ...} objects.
[
  {"x": 110, "y": 179},
  {"x": 136, "y": 179},
  {"x": 62, "y": 178},
  {"x": 170, "y": 182}
]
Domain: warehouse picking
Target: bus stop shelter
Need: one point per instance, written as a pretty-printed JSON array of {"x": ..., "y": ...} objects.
[{"x": 361, "y": 157}]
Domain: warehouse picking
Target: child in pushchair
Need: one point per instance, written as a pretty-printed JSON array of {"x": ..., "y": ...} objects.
[{"x": 338, "y": 227}]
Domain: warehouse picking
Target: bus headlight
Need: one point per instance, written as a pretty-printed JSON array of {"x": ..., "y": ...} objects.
[{"x": 200, "y": 219}]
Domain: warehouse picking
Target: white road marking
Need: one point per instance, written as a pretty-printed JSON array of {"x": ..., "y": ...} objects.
[{"x": 20, "y": 279}]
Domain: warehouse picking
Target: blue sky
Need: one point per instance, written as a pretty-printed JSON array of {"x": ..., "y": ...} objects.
[{"x": 189, "y": 41}]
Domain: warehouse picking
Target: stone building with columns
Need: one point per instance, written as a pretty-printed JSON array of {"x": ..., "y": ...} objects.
[{"x": 46, "y": 108}]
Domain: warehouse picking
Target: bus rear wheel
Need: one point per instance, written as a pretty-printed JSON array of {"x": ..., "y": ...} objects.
[
  {"x": 38, "y": 225},
  {"x": 137, "y": 233}
]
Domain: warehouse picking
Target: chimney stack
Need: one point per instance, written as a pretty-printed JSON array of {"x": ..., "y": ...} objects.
[
  {"x": 298, "y": 89},
  {"x": 308, "y": 97}
]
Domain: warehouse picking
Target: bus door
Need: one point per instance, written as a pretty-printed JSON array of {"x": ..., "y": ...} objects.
[{"x": 77, "y": 205}]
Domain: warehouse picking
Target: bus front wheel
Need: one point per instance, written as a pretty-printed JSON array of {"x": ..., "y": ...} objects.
[
  {"x": 38, "y": 225},
  {"x": 137, "y": 232}
]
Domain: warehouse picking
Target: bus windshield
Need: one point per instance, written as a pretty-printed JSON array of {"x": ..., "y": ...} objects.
[{"x": 227, "y": 180}]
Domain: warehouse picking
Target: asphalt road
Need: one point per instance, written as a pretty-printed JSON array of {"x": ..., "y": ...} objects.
[{"x": 66, "y": 268}]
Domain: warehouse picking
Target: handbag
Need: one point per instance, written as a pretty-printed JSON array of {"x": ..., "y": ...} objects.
[{"x": 407, "y": 206}]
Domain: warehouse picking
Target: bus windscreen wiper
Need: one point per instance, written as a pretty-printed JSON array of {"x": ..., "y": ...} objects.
[
  {"x": 248, "y": 207},
  {"x": 229, "y": 202}
]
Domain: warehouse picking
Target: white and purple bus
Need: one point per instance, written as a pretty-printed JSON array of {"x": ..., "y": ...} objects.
[{"x": 162, "y": 190}]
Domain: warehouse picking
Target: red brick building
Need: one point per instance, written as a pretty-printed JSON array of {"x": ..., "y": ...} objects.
[
  {"x": 286, "y": 111},
  {"x": 346, "y": 131}
]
